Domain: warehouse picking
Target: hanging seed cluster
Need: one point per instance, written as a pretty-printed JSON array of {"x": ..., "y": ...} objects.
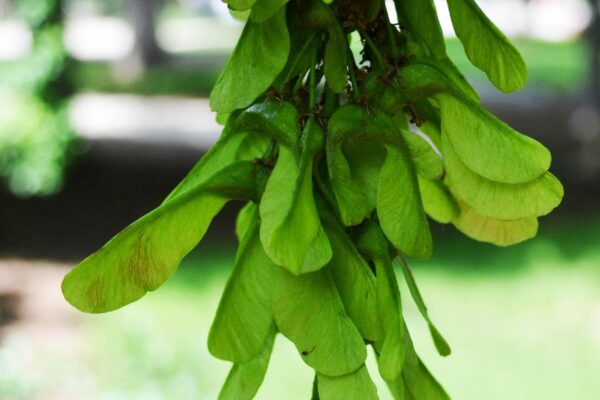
[{"x": 342, "y": 133}]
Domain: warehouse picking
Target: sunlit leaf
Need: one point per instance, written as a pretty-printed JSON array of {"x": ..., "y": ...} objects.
[
  {"x": 144, "y": 255},
  {"x": 438, "y": 201},
  {"x": 258, "y": 58},
  {"x": 501, "y": 200},
  {"x": 496, "y": 231},
  {"x": 488, "y": 146},
  {"x": 308, "y": 311},
  {"x": 487, "y": 47},
  {"x": 244, "y": 318},
  {"x": 244, "y": 379},
  {"x": 356, "y": 385}
]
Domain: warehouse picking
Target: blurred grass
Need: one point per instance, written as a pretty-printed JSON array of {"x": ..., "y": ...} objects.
[{"x": 524, "y": 323}]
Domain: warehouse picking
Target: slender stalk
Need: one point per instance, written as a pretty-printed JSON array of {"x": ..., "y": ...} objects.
[
  {"x": 331, "y": 101},
  {"x": 312, "y": 99},
  {"x": 351, "y": 66},
  {"x": 391, "y": 31},
  {"x": 374, "y": 49},
  {"x": 305, "y": 47}
]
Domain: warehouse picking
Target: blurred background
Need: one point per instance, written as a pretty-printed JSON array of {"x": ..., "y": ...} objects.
[{"x": 103, "y": 108}]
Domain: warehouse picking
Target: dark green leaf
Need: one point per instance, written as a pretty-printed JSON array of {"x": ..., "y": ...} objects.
[
  {"x": 321, "y": 16},
  {"x": 420, "y": 17},
  {"x": 265, "y": 9},
  {"x": 270, "y": 119},
  {"x": 258, "y": 58}
]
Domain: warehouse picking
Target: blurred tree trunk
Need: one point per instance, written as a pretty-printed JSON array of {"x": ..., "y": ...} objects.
[
  {"x": 593, "y": 39},
  {"x": 143, "y": 14}
]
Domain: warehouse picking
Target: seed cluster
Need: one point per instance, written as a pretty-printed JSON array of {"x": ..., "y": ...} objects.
[{"x": 340, "y": 150}]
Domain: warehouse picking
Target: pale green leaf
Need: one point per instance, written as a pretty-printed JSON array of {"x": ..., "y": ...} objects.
[
  {"x": 288, "y": 205},
  {"x": 438, "y": 201},
  {"x": 265, "y": 9},
  {"x": 244, "y": 319},
  {"x": 440, "y": 343},
  {"x": 259, "y": 56},
  {"x": 308, "y": 311},
  {"x": 496, "y": 231},
  {"x": 245, "y": 379},
  {"x": 144, "y": 255},
  {"x": 399, "y": 206},
  {"x": 500, "y": 200},
  {"x": 487, "y": 47},
  {"x": 356, "y": 385},
  {"x": 353, "y": 277},
  {"x": 488, "y": 146}
]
